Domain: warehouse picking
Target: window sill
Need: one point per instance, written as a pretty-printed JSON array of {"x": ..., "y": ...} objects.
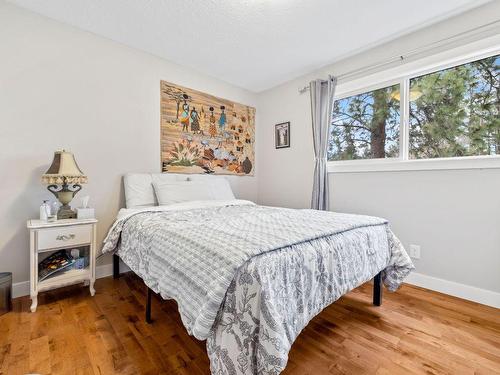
[{"x": 398, "y": 165}]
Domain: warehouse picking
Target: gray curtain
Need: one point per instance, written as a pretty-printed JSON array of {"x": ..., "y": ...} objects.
[{"x": 321, "y": 109}]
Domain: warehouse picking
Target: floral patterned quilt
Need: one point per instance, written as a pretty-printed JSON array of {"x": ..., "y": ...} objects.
[{"x": 248, "y": 278}]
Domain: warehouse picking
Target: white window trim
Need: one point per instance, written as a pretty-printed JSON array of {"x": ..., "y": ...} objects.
[
  {"x": 398, "y": 165},
  {"x": 402, "y": 75}
]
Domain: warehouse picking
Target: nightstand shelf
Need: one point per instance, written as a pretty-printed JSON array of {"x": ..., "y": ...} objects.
[
  {"x": 46, "y": 238},
  {"x": 64, "y": 278}
]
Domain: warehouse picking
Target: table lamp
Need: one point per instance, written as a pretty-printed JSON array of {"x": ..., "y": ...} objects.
[{"x": 64, "y": 178}]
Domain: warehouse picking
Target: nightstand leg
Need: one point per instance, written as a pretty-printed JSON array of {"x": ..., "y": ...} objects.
[
  {"x": 34, "y": 303},
  {"x": 91, "y": 287}
]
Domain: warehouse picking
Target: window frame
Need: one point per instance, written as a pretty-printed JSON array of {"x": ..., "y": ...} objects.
[{"x": 403, "y": 162}]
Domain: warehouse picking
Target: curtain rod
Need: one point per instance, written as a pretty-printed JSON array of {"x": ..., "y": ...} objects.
[{"x": 416, "y": 51}]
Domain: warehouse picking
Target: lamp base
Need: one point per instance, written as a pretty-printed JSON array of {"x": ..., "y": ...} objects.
[
  {"x": 65, "y": 194},
  {"x": 65, "y": 212}
]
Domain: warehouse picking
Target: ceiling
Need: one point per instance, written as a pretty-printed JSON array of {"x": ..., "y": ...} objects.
[{"x": 254, "y": 44}]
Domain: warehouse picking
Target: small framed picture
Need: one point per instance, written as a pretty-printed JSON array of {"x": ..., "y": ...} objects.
[{"x": 282, "y": 135}]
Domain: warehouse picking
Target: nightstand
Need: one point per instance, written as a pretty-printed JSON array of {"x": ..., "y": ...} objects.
[{"x": 47, "y": 238}]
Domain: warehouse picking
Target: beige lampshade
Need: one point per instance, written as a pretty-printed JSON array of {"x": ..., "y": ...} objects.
[{"x": 64, "y": 169}]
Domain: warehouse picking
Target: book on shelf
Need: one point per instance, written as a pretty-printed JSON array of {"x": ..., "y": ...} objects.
[{"x": 55, "y": 263}]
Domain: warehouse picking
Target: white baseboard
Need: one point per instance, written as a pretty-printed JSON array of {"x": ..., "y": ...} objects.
[
  {"x": 471, "y": 293},
  {"x": 22, "y": 288},
  {"x": 106, "y": 270}
]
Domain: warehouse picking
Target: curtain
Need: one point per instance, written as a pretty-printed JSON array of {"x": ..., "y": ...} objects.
[{"x": 321, "y": 109}]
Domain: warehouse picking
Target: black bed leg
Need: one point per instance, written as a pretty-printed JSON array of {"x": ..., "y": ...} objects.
[
  {"x": 116, "y": 266},
  {"x": 377, "y": 289},
  {"x": 148, "y": 307}
]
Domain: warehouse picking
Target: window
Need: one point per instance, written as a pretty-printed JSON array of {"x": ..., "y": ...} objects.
[
  {"x": 453, "y": 112},
  {"x": 456, "y": 111},
  {"x": 365, "y": 126}
]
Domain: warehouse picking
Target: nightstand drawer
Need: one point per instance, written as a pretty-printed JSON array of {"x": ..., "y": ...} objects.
[{"x": 64, "y": 237}]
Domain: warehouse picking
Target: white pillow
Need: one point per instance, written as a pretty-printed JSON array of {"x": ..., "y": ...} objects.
[
  {"x": 219, "y": 186},
  {"x": 139, "y": 187},
  {"x": 181, "y": 191}
]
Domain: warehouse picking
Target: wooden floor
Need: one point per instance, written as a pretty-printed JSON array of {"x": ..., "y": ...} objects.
[{"x": 415, "y": 331}]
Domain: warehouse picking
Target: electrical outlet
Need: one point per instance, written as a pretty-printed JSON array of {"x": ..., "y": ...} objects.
[{"x": 415, "y": 251}]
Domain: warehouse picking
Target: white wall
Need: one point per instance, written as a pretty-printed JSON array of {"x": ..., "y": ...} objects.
[
  {"x": 106, "y": 98},
  {"x": 64, "y": 88},
  {"x": 453, "y": 215}
]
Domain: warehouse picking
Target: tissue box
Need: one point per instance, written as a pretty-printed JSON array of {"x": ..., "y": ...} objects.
[{"x": 85, "y": 213}]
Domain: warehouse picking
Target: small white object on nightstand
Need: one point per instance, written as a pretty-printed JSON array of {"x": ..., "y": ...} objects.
[
  {"x": 63, "y": 234},
  {"x": 85, "y": 212}
]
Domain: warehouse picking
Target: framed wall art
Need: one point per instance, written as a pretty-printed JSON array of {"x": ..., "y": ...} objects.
[
  {"x": 201, "y": 133},
  {"x": 282, "y": 135}
]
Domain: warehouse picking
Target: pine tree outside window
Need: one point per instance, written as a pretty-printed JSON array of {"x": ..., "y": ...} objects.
[
  {"x": 458, "y": 111},
  {"x": 366, "y": 126},
  {"x": 449, "y": 113}
]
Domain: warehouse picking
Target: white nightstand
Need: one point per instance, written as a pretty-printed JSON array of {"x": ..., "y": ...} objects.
[{"x": 45, "y": 238}]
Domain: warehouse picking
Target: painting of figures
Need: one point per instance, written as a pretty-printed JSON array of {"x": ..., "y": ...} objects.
[{"x": 201, "y": 133}]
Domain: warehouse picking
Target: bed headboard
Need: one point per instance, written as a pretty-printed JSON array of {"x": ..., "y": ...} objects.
[{"x": 139, "y": 187}]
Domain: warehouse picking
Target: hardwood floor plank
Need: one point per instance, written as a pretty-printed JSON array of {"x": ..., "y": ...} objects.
[
  {"x": 39, "y": 355},
  {"x": 415, "y": 331}
]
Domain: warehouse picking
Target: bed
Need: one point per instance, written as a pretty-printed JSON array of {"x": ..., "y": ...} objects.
[{"x": 246, "y": 278}]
